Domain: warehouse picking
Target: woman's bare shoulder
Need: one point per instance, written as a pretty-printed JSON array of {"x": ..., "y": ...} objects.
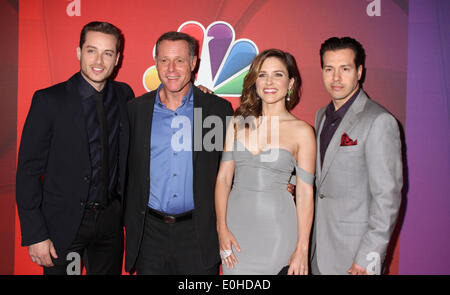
[{"x": 299, "y": 127}]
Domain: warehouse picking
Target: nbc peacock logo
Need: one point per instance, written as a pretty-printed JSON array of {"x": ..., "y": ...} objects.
[{"x": 224, "y": 61}]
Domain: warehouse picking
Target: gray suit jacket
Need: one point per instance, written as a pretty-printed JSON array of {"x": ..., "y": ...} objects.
[{"x": 358, "y": 189}]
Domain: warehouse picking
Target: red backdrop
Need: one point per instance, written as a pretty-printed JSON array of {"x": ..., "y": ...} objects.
[{"x": 49, "y": 35}]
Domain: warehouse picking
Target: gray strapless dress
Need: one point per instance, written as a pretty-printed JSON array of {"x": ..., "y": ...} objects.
[{"x": 261, "y": 213}]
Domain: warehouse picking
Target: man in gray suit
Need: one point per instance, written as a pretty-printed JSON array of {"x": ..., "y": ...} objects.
[{"x": 359, "y": 169}]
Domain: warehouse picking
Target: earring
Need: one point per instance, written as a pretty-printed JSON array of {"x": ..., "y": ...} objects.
[{"x": 288, "y": 97}]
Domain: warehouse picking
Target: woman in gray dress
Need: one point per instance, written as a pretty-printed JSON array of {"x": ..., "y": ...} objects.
[{"x": 260, "y": 228}]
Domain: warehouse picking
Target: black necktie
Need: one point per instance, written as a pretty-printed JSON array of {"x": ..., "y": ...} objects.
[{"x": 104, "y": 146}]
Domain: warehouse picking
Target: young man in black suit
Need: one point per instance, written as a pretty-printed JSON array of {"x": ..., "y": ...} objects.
[
  {"x": 169, "y": 217},
  {"x": 71, "y": 163}
]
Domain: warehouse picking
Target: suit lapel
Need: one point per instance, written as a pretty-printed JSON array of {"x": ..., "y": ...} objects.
[
  {"x": 122, "y": 109},
  {"x": 348, "y": 122},
  {"x": 123, "y": 123},
  {"x": 200, "y": 107},
  {"x": 79, "y": 123},
  {"x": 320, "y": 119},
  {"x": 146, "y": 123},
  {"x": 123, "y": 133}
]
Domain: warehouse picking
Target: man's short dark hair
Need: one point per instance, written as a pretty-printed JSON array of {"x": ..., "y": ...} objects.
[
  {"x": 176, "y": 36},
  {"x": 102, "y": 27},
  {"x": 335, "y": 43}
]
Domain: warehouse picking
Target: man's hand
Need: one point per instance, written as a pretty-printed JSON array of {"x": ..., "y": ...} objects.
[
  {"x": 204, "y": 89},
  {"x": 40, "y": 253},
  {"x": 357, "y": 270}
]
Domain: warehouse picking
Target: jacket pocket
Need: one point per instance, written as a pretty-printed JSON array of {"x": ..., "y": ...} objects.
[{"x": 350, "y": 148}]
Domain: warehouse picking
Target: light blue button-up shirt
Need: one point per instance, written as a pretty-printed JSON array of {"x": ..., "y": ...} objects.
[{"x": 171, "y": 168}]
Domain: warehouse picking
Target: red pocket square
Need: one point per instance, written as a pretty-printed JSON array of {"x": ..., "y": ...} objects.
[{"x": 347, "y": 141}]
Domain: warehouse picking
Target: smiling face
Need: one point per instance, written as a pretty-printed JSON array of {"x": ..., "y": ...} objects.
[
  {"x": 175, "y": 66},
  {"x": 340, "y": 75},
  {"x": 273, "y": 81},
  {"x": 98, "y": 57}
]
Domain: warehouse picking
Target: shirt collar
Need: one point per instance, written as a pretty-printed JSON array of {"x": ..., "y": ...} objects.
[
  {"x": 187, "y": 99},
  {"x": 86, "y": 89},
  {"x": 330, "y": 111}
]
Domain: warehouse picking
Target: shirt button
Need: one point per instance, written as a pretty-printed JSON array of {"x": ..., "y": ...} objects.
[
  {"x": 321, "y": 196},
  {"x": 176, "y": 114},
  {"x": 174, "y": 196},
  {"x": 174, "y": 174}
]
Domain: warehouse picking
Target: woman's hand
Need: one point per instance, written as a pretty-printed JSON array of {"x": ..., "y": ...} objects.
[
  {"x": 298, "y": 263},
  {"x": 226, "y": 241}
]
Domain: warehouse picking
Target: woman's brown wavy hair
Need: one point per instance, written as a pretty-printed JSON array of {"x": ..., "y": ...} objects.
[{"x": 250, "y": 103}]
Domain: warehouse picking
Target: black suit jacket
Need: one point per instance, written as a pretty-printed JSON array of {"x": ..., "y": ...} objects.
[
  {"x": 205, "y": 165},
  {"x": 54, "y": 168}
]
